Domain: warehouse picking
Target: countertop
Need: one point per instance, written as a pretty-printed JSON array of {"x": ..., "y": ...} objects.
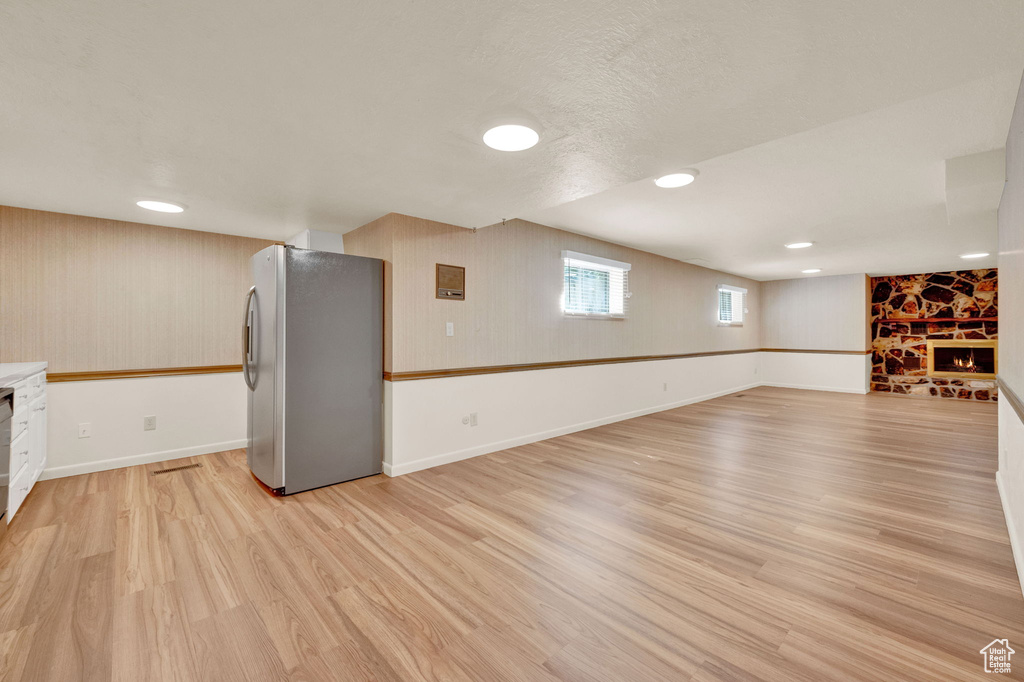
[{"x": 13, "y": 372}]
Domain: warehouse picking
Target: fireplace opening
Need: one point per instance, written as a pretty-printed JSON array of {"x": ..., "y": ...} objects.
[{"x": 967, "y": 359}]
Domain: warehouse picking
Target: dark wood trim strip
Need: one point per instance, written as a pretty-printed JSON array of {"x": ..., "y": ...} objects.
[
  {"x": 899, "y": 320},
  {"x": 500, "y": 369},
  {"x": 1008, "y": 394},
  {"x": 58, "y": 377}
]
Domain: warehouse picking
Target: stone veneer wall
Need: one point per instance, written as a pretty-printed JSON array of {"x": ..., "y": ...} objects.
[{"x": 900, "y": 351}]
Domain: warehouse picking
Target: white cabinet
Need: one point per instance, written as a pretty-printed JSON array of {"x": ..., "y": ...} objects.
[
  {"x": 37, "y": 435},
  {"x": 28, "y": 442},
  {"x": 19, "y": 455}
]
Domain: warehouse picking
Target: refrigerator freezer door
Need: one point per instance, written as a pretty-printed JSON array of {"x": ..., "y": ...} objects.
[
  {"x": 266, "y": 368},
  {"x": 334, "y": 321}
]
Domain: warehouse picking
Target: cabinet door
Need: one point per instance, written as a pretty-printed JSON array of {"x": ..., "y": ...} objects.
[
  {"x": 37, "y": 385},
  {"x": 19, "y": 456},
  {"x": 40, "y": 416},
  {"x": 37, "y": 437}
]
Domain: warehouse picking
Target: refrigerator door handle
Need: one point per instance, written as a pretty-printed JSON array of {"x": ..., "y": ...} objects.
[{"x": 247, "y": 339}]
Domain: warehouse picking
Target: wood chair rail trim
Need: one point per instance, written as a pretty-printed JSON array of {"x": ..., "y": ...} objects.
[
  {"x": 1011, "y": 397},
  {"x": 499, "y": 369},
  {"x": 58, "y": 377},
  {"x": 99, "y": 375}
]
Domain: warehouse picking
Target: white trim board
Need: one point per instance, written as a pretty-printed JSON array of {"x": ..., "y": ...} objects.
[
  {"x": 1011, "y": 528},
  {"x": 134, "y": 460}
]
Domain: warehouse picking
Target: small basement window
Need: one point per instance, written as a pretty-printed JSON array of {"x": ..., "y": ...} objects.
[
  {"x": 593, "y": 286},
  {"x": 731, "y": 302}
]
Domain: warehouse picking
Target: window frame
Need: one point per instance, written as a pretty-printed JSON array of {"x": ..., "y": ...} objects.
[
  {"x": 734, "y": 292},
  {"x": 599, "y": 264}
]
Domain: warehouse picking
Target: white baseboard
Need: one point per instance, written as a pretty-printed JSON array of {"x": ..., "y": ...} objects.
[
  {"x": 805, "y": 387},
  {"x": 146, "y": 458},
  {"x": 467, "y": 453},
  {"x": 1018, "y": 560}
]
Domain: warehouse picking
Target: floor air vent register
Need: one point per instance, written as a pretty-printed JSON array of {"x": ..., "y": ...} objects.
[{"x": 173, "y": 469}]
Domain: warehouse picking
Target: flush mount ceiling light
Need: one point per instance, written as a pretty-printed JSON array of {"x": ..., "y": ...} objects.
[
  {"x": 974, "y": 255},
  {"x": 511, "y": 138},
  {"x": 673, "y": 180},
  {"x": 161, "y": 206},
  {"x": 811, "y": 271},
  {"x": 799, "y": 245}
]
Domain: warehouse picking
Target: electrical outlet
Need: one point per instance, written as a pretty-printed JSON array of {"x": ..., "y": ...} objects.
[
  {"x": 465, "y": 420},
  {"x": 149, "y": 423},
  {"x": 449, "y": 328},
  {"x": 664, "y": 387},
  {"x": 472, "y": 418},
  {"x": 84, "y": 430}
]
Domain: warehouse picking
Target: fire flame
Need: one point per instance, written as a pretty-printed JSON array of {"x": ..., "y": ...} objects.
[{"x": 966, "y": 364}]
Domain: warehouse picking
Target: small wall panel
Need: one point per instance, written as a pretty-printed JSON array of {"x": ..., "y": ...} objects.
[{"x": 88, "y": 294}]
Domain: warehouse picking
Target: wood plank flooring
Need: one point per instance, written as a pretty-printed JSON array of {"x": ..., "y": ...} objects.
[{"x": 773, "y": 534}]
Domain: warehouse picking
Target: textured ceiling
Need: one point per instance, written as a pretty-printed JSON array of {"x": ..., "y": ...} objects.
[{"x": 267, "y": 118}]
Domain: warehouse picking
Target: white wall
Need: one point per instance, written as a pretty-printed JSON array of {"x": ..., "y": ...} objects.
[
  {"x": 205, "y": 413},
  {"x": 196, "y": 414},
  {"x": 1011, "y": 332},
  {"x": 423, "y": 418},
  {"x": 522, "y": 407},
  {"x": 1011, "y": 478},
  {"x": 1011, "y": 257},
  {"x": 817, "y": 371}
]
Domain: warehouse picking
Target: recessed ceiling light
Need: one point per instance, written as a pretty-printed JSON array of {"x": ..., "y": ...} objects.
[
  {"x": 511, "y": 138},
  {"x": 162, "y": 206},
  {"x": 799, "y": 245},
  {"x": 811, "y": 271},
  {"x": 974, "y": 255},
  {"x": 673, "y": 180}
]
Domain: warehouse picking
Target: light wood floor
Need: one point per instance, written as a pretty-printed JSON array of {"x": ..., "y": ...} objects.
[{"x": 774, "y": 534}]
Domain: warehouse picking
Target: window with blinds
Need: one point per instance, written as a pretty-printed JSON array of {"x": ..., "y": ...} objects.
[
  {"x": 731, "y": 301},
  {"x": 593, "y": 286}
]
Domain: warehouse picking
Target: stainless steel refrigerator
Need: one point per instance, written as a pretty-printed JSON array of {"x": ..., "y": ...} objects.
[{"x": 312, "y": 359}]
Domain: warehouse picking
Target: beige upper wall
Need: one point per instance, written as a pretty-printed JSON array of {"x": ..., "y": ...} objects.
[
  {"x": 512, "y": 312},
  {"x": 817, "y": 313},
  {"x": 1011, "y": 257},
  {"x": 86, "y": 294}
]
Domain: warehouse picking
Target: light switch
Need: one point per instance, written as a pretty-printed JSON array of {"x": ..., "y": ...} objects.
[{"x": 449, "y": 328}]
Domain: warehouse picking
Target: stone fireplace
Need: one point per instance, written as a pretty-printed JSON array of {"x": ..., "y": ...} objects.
[{"x": 935, "y": 334}]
